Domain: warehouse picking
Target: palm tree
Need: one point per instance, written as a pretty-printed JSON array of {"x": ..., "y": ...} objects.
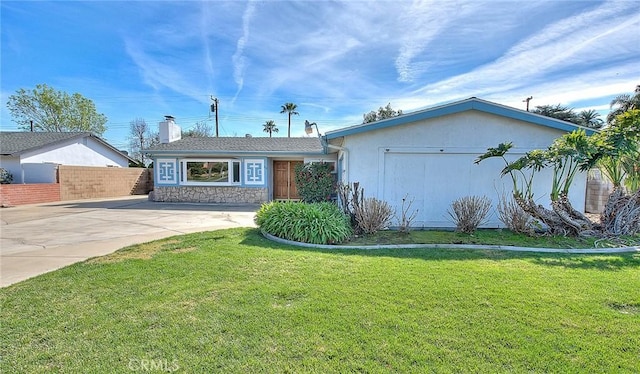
[
  {"x": 557, "y": 111},
  {"x": 289, "y": 108},
  {"x": 624, "y": 102},
  {"x": 270, "y": 127},
  {"x": 590, "y": 118}
]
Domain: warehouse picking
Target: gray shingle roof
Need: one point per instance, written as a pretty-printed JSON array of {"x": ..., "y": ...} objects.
[
  {"x": 222, "y": 145},
  {"x": 22, "y": 141}
]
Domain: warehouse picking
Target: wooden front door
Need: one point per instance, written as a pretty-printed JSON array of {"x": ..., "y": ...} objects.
[{"x": 284, "y": 181}]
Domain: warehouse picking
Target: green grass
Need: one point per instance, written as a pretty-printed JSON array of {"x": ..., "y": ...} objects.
[
  {"x": 489, "y": 237},
  {"x": 231, "y": 301}
]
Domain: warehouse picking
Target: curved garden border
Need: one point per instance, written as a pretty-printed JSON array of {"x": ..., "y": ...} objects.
[{"x": 460, "y": 246}]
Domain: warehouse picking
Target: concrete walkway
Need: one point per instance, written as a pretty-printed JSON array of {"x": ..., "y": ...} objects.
[{"x": 35, "y": 239}]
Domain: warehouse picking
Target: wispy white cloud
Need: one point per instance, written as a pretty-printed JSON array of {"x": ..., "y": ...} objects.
[
  {"x": 310, "y": 54},
  {"x": 598, "y": 108},
  {"x": 323, "y": 108},
  {"x": 572, "y": 90},
  {"x": 339, "y": 59},
  {"x": 422, "y": 23},
  {"x": 204, "y": 36},
  {"x": 592, "y": 38},
  {"x": 179, "y": 55},
  {"x": 238, "y": 58},
  {"x": 162, "y": 74}
]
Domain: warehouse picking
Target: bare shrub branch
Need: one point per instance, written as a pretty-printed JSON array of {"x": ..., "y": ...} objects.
[
  {"x": 372, "y": 215},
  {"x": 513, "y": 216},
  {"x": 405, "y": 220},
  {"x": 469, "y": 212}
]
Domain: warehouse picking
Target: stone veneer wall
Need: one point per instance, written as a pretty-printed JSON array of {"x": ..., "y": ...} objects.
[{"x": 210, "y": 194}]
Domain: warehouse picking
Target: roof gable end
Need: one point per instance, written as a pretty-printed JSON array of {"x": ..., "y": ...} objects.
[
  {"x": 458, "y": 107},
  {"x": 14, "y": 143}
]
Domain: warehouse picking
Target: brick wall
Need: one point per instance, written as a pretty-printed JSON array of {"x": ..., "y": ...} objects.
[
  {"x": 85, "y": 182},
  {"x": 20, "y": 194}
]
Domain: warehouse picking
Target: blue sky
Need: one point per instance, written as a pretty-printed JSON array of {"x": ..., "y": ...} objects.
[{"x": 335, "y": 59}]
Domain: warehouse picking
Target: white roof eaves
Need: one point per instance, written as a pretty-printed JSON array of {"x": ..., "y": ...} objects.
[{"x": 458, "y": 107}]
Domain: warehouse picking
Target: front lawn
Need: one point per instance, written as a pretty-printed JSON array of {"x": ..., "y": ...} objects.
[{"x": 232, "y": 301}]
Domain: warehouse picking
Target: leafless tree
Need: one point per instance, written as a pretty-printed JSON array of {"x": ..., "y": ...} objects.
[
  {"x": 140, "y": 138},
  {"x": 200, "y": 129}
]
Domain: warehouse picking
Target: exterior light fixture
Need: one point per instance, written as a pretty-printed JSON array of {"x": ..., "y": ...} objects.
[{"x": 308, "y": 127}]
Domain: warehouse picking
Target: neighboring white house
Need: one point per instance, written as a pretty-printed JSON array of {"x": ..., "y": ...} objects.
[
  {"x": 428, "y": 156},
  {"x": 32, "y": 157}
]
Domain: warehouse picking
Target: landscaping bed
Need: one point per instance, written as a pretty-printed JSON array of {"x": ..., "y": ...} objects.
[{"x": 490, "y": 237}]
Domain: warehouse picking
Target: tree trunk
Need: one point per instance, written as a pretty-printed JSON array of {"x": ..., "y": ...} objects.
[
  {"x": 621, "y": 214},
  {"x": 578, "y": 222},
  {"x": 546, "y": 216}
]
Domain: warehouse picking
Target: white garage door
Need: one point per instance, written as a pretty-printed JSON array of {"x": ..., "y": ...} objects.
[{"x": 434, "y": 181}]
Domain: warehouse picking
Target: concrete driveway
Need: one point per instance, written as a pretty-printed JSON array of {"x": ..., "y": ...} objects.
[{"x": 36, "y": 239}]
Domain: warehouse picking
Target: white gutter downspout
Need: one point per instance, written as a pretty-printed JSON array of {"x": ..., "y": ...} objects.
[{"x": 345, "y": 164}]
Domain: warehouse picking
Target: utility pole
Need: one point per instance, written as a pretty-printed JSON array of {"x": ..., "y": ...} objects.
[
  {"x": 214, "y": 108},
  {"x": 141, "y": 148},
  {"x": 527, "y": 101}
]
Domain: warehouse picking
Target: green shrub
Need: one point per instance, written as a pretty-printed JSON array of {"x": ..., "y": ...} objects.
[
  {"x": 5, "y": 176},
  {"x": 315, "y": 182},
  {"x": 316, "y": 223}
]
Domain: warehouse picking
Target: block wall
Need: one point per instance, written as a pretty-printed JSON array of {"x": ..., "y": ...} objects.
[
  {"x": 598, "y": 191},
  {"x": 86, "y": 182},
  {"x": 21, "y": 194}
]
